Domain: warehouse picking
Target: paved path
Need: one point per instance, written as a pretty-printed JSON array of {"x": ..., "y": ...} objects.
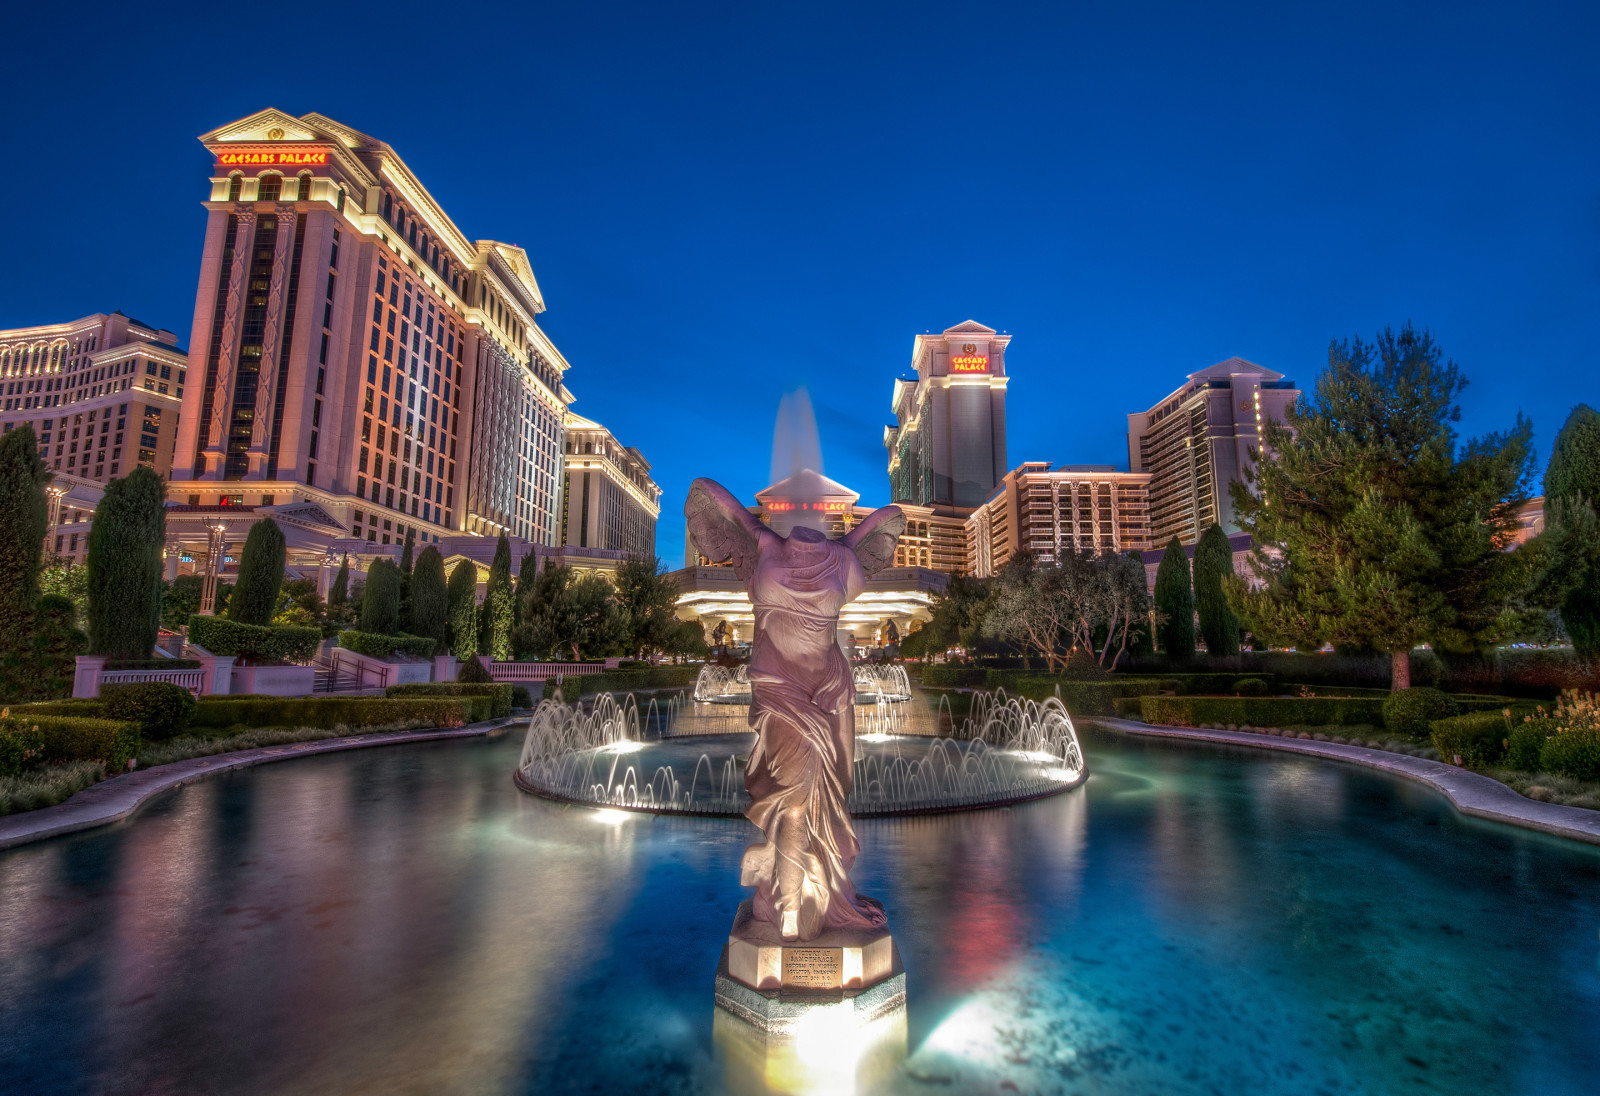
[
  {"x": 119, "y": 797},
  {"x": 1471, "y": 793}
]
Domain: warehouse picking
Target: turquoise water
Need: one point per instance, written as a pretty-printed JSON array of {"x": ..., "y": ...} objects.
[{"x": 1190, "y": 921}]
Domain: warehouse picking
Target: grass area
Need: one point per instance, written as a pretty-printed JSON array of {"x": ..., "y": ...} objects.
[
  {"x": 1549, "y": 788},
  {"x": 38, "y": 788}
]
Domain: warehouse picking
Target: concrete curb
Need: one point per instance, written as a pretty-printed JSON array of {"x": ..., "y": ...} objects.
[
  {"x": 1469, "y": 792},
  {"x": 117, "y": 798}
]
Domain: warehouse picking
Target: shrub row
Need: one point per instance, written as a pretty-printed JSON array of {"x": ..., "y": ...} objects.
[
  {"x": 54, "y": 740},
  {"x": 621, "y": 681},
  {"x": 1250, "y": 711},
  {"x": 378, "y": 646},
  {"x": 1481, "y": 739},
  {"x": 330, "y": 711},
  {"x": 493, "y": 701},
  {"x": 256, "y": 643},
  {"x": 152, "y": 663}
]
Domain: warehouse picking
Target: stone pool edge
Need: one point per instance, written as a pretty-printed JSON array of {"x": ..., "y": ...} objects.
[
  {"x": 119, "y": 797},
  {"x": 1470, "y": 793}
]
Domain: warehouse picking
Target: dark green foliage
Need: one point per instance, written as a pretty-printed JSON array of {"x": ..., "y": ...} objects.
[
  {"x": 125, "y": 566},
  {"x": 947, "y": 676},
  {"x": 1171, "y": 685},
  {"x": 1213, "y": 565},
  {"x": 64, "y": 578},
  {"x": 957, "y": 618},
  {"x": 463, "y": 600},
  {"x": 1572, "y": 493},
  {"x": 180, "y": 600},
  {"x": 385, "y": 646},
  {"x": 1477, "y": 738},
  {"x": 527, "y": 575},
  {"x": 406, "y": 568},
  {"x": 255, "y": 594},
  {"x": 1527, "y": 742},
  {"x": 497, "y": 696},
  {"x": 430, "y": 600},
  {"x": 257, "y": 645},
  {"x": 521, "y": 697},
  {"x": 1574, "y": 467},
  {"x": 1375, "y": 528},
  {"x": 649, "y": 606},
  {"x": 617, "y": 681},
  {"x": 566, "y": 614},
  {"x": 1251, "y": 686},
  {"x": 161, "y": 709},
  {"x": 1411, "y": 712},
  {"x": 23, "y": 516},
  {"x": 49, "y": 662},
  {"x": 56, "y": 739},
  {"x": 495, "y": 625},
  {"x": 474, "y": 672},
  {"x": 339, "y": 592},
  {"x": 1242, "y": 711},
  {"x": 380, "y": 607},
  {"x": 328, "y": 712},
  {"x": 1174, "y": 601},
  {"x": 1574, "y": 752}
]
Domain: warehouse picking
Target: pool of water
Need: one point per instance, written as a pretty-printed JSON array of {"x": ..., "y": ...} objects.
[{"x": 1191, "y": 920}]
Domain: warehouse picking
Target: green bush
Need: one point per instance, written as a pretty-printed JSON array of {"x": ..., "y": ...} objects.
[
  {"x": 474, "y": 672},
  {"x": 329, "y": 711},
  {"x": 255, "y": 592},
  {"x": 521, "y": 697},
  {"x": 152, "y": 664},
  {"x": 161, "y": 708},
  {"x": 380, "y": 646},
  {"x": 1251, "y": 686},
  {"x": 1527, "y": 741},
  {"x": 618, "y": 681},
  {"x": 498, "y": 694},
  {"x": 1129, "y": 707},
  {"x": 1478, "y": 738},
  {"x": 255, "y": 643},
  {"x": 55, "y": 740},
  {"x": 1412, "y": 712},
  {"x": 21, "y": 747},
  {"x": 954, "y": 677},
  {"x": 1268, "y": 711},
  {"x": 1574, "y": 752}
]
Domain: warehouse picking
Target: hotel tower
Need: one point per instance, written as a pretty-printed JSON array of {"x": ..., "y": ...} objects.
[
  {"x": 354, "y": 349},
  {"x": 947, "y": 446}
]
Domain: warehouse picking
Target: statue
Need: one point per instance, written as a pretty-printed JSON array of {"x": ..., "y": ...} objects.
[{"x": 802, "y": 707}]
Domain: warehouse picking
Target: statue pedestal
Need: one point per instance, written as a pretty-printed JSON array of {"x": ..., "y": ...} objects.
[{"x": 790, "y": 1017}]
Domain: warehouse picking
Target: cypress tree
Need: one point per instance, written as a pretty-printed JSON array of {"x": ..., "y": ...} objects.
[
  {"x": 405, "y": 585},
  {"x": 125, "y": 566},
  {"x": 1175, "y": 600},
  {"x": 497, "y": 611},
  {"x": 255, "y": 595},
  {"x": 1213, "y": 563},
  {"x": 380, "y": 607},
  {"x": 430, "y": 601},
  {"x": 23, "y": 518},
  {"x": 339, "y": 592},
  {"x": 1572, "y": 494},
  {"x": 463, "y": 598},
  {"x": 527, "y": 575}
]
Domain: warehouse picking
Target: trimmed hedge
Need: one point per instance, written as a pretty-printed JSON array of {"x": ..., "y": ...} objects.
[
  {"x": 330, "y": 711},
  {"x": 497, "y": 696},
  {"x": 152, "y": 664},
  {"x": 378, "y": 646},
  {"x": 1251, "y": 686},
  {"x": 622, "y": 681},
  {"x": 161, "y": 708},
  {"x": 54, "y": 740},
  {"x": 1412, "y": 712},
  {"x": 1477, "y": 738},
  {"x": 1574, "y": 752},
  {"x": 1527, "y": 743},
  {"x": 954, "y": 677},
  {"x": 521, "y": 697},
  {"x": 259, "y": 643},
  {"x": 1249, "y": 711},
  {"x": 1129, "y": 707}
]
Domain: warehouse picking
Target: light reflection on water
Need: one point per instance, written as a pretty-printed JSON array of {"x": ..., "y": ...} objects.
[{"x": 405, "y": 920}]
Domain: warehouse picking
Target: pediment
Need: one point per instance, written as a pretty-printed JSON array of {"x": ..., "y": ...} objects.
[
  {"x": 266, "y": 125},
  {"x": 305, "y": 514},
  {"x": 969, "y": 327}
]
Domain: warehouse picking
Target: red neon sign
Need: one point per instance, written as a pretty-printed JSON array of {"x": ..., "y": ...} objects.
[
  {"x": 274, "y": 158},
  {"x": 969, "y": 363},
  {"x": 779, "y": 506}
]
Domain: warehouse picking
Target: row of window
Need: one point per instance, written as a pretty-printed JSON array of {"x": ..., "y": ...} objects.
[{"x": 269, "y": 187}]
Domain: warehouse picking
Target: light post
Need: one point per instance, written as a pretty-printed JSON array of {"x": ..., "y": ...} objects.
[
  {"x": 214, "y": 546},
  {"x": 55, "y": 494}
]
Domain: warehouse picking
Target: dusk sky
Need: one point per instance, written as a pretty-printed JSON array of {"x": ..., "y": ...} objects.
[{"x": 722, "y": 204}]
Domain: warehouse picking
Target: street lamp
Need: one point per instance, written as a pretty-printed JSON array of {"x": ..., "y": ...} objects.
[
  {"x": 214, "y": 547},
  {"x": 55, "y": 494}
]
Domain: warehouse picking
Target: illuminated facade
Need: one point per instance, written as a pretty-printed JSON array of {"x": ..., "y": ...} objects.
[
  {"x": 611, "y": 503},
  {"x": 353, "y": 348},
  {"x": 1197, "y": 441},
  {"x": 947, "y": 446},
  {"x": 1084, "y": 507}
]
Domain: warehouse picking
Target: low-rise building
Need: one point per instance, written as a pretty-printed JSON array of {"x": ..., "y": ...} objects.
[
  {"x": 1044, "y": 510},
  {"x": 610, "y": 502}
]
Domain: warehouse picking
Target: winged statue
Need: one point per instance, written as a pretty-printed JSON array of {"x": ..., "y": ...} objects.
[{"x": 802, "y": 705}]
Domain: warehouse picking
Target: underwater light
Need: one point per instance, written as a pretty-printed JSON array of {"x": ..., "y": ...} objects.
[
  {"x": 623, "y": 746},
  {"x": 611, "y": 817}
]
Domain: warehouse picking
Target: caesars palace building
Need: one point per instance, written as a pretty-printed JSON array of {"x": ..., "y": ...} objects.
[{"x": 358, "y": 368}]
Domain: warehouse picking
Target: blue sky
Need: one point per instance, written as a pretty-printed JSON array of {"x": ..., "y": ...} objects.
[{"x": 723, "y": 203}]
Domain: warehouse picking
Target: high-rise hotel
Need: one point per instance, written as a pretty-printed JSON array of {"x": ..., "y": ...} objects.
[
  {"x": 354, "y": 348},
  {"x": 947, "y": 446}
]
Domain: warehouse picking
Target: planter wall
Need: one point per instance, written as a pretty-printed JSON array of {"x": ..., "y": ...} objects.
[{"x": 274, "y": 680}]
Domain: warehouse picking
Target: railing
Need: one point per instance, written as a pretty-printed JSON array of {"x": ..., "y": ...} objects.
[
  {"x": 361, "y": 670},
  {"x": 192, "y": 680},
  {"x": 544, "y": 671}
]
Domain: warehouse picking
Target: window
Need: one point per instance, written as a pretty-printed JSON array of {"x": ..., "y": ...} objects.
[
  {"x": 270, "y": 187},
  {"x": 305, "y": 186},
  {"x": 235, "y": 182}
]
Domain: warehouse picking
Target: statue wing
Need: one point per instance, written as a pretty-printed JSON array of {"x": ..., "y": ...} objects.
[
  {"x": 721, "y": 528},
  {"x": 874, "y": 539}
]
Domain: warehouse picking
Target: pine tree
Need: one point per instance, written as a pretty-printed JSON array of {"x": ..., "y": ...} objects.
[
  {"x": 1175, "y": 602},
  {"x": 380, "y": 606},
  {"x": 125, "y": 566},
  {"x": 1373, "y": 526},
  {"x": 649, "y": 605},
  {"x": 339, "y": 592},
  {"x": 1572, "y": 497},
  {"x": 406, "y": 568},
  {"x": 1213, "y": 564},
  {"x": 255, "y": 594},
  {"x": 463, "y": 599},
  {"x": 23, "y": 518},
  {"x": 430, "y": 601},
  {"x": 497, "y": 611}
]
